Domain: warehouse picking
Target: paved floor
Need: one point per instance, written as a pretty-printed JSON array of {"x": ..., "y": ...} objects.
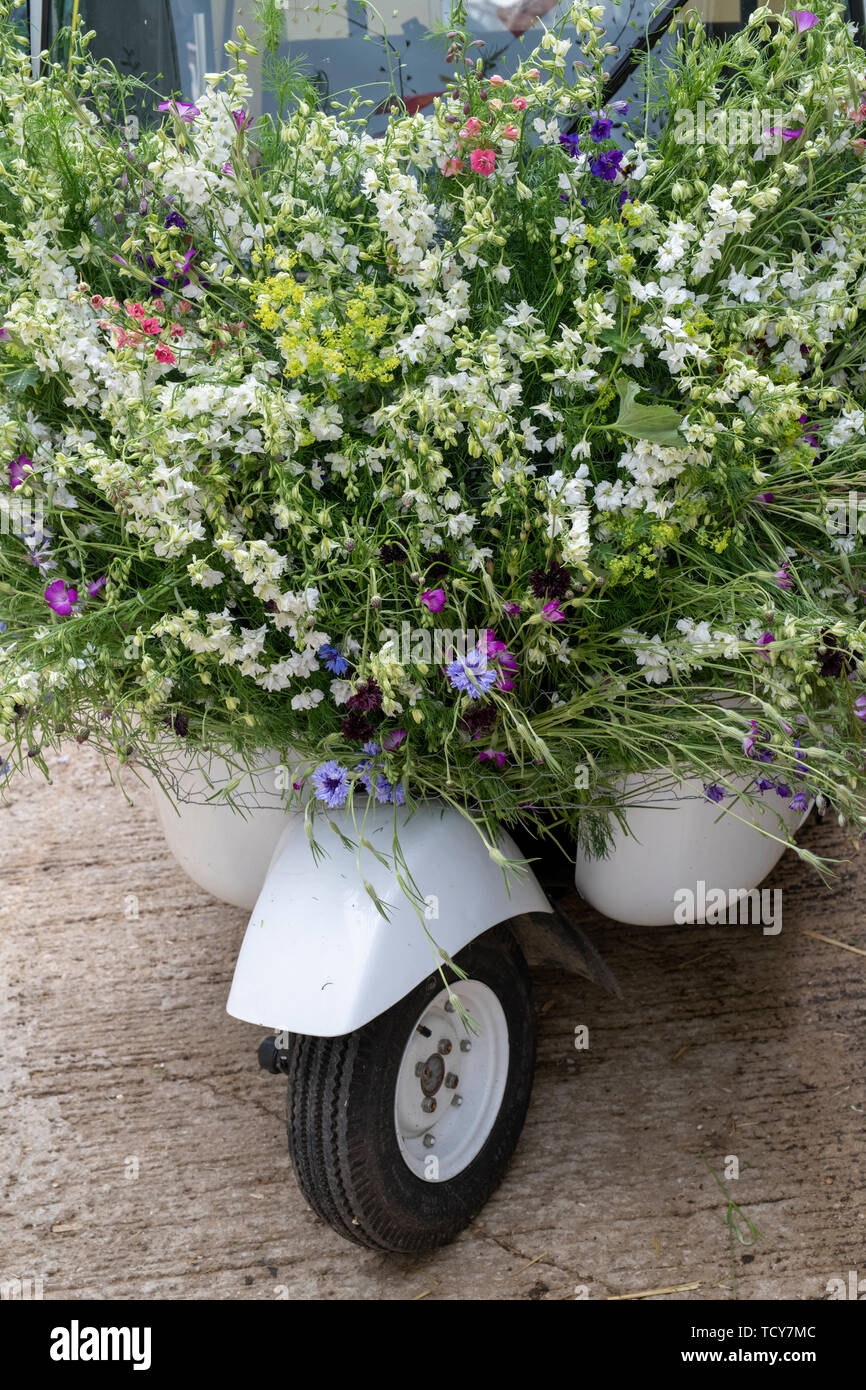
[{"x": 143, "y": 1153}]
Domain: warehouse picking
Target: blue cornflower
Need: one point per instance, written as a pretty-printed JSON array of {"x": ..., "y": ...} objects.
[
  {"x": 800, "y": 802},
  {"x": 600, "y": 129},
  {"x": 606, "y": 165},
  {"x": 713, "y": 792},
  {"x": 386, "y": 794},
  {"x": 471, "y": 674},
  {"x": 571, "y": 145},
  {"x": 333, "y": 659},
  {"x": 331, "y": 781}
]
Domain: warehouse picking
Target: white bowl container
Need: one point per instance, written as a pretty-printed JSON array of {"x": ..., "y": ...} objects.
[
  {"x": 678, "y": 839},
  {"x": 224, "y": 850}
]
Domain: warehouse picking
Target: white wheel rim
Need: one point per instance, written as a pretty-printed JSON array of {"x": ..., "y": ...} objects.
[{"x": 462, "y": 1073}]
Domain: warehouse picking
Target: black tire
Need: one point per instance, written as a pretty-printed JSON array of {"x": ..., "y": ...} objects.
[{"x": 342, "y": 1134}]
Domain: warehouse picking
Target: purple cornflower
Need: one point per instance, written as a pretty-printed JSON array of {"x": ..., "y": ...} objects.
[
  {"x": 333, "y": 659},
  {"x": 606, "y": 166},
  {"x": 713, "y": 792},
  {"x": 600, "y": 130},
  {"x": 19, "y": 469},
  {"x": 174, "y": 219},
  {"x": 783, "y": 790},
  {"x": 471, "y": 674},
  {"x": 61, "y": 599},
  {"x": 766, "y": 784},
  {"x": 799, "y": 802},
  {"x": 184, "y": 109},
  {"x": 93, "y": 586},
  {"x": 571, "y": 145},
  {"x": 860, "y": 707},
  {"x": 331, "y": 781},
  {"x": 511, "y": 610}
]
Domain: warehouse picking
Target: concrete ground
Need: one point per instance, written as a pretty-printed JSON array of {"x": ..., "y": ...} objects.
[{"x": 144, "y": 1154}]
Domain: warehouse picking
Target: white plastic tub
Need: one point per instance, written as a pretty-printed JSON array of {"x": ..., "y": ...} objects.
[
  {"x": 225, "y": 850},
  {"x": 678, "y": 839}
]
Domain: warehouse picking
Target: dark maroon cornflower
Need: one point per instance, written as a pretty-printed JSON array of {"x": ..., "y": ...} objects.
[
  {"x": 178, "y": 723},
  {"x": 393, "y": 553},
  {"x": 833, "y": 655},
  {"x": 438, "y": 563},
  {"x": 356, "y": 727},
  {"x": 550, "y": 583},
  {"x": 367, "y": 697},
  {"x": 477, "y": 721}
]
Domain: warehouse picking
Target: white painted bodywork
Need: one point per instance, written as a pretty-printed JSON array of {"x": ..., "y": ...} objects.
[
  {"x": 318, "y": 957},
  {"x": 677, "y": 839}
]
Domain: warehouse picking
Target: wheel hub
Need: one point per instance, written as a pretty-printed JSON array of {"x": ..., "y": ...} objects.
[{"x": 447, "y": 1100}]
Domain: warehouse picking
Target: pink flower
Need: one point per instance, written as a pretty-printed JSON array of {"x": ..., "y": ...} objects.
[
  {"x": 552, "y": 612},
  {"x": 61, "y": 599},
  {"x": 93, "y": 586},
  {"x": 229, "y": 169},
  {"x": 19, "y": 469},
  {"x": 472, "y": 127},
  {"x": 434, "y": 599},
  {"x": 511, "y": 133},
  {"x": 491, "y": 754},
  {"x": 782, "y": 577},
  {"x": 804, "y": 19},
  {"x": 137, "y": 311},
  {"x": 394, "y": 739},
  {"x": 151, "y": 326},
  {"x": 511, "y": 610},
  {"x": 240, "y": 118},
  {"x": 163, "y": 353},
  {"x": 519, "y": 103},
  {"x": 533, "y": 74},
  {"x": 497, "y": 81},
  {"x": 184, "y": 109},
  {"x": 452, "y": 167},
  {"x": 483, "y": 162}
]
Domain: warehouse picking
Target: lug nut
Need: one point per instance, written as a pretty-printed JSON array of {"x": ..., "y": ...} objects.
[
  {"x": 429, "y": 1141},
  {"x": 465, "y": 1045},
  {"x": 451, "y": 1081},
  {"x": 419, "y": 1068},
  {"x": 428, "y": 1105},
  {"x": 457, "y": 1100},
  {"x": 444, "y": 1046}
]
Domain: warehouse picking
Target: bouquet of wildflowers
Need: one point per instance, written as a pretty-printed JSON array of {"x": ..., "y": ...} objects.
[{"x": 488, "y": 460}]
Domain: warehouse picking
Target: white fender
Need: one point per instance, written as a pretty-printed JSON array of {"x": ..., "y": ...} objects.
[{"x": 319, "y": 958}]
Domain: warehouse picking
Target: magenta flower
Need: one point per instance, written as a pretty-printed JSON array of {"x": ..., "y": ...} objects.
[
  {"x": 499, "y": 656},
  {"x": 491, "y": 755},
  {"x": 482, "y": 162},
  {"x": 782, "y": 577},
  {"x": 434, "y": 599},
  {"x": 552, "y": 612},
  {"x": 786, "y": 132},
  {"x": 19, "y": 469},
  {"x": 860, "y": 707},
  {"x": 94, "y": 587},
  {"x": 764, "y": 497},
  {"x": 765, "y": 642},
  {"x": 4, "y": 334},
  {"x": 394, "y": 739},
  {"x": 240, "y": 118},
  {"x": 511, "y": 610},
  {"x": 61, "y": 599},
  {"x": 804, "y": 19},
  {"x": 184, "y": 109}
]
